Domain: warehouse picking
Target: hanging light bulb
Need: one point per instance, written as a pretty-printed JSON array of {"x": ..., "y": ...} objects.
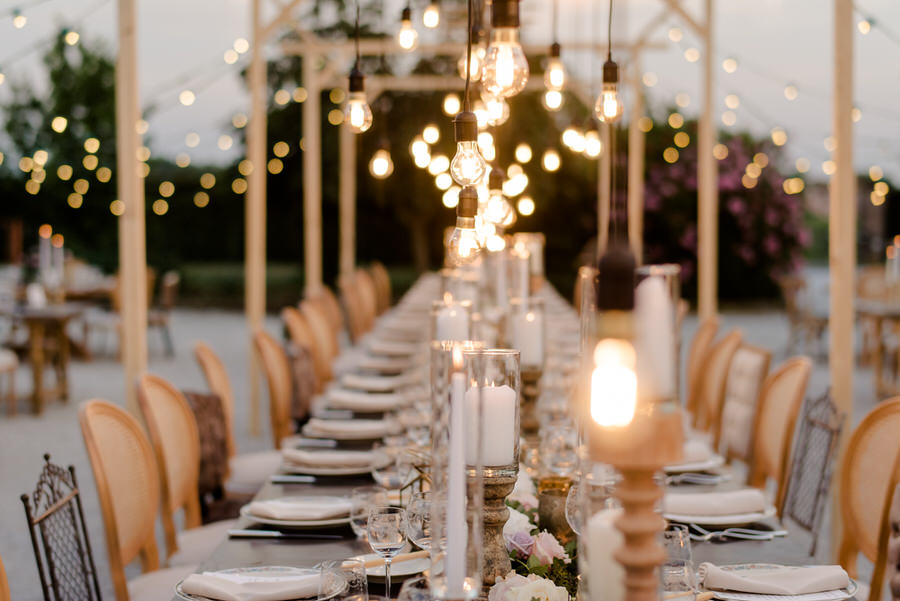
[
  {"x": 431, "y": 18},
  {"x": 498, "y": 207},
  {"x": 552, "y": 100},
  {"x": 608, "y": 108},
  {"x": 381, "y": 166},
  {"x": 481, "y": 114},
  {"x": 555, "y": 73},
  {"x": 573, "y": 138},
  {"x": 497, "y": 109},
  {"x": 593, "y": 146},
  {"x": 357, "y": 114},
  {"x": 467, "y": 166},
  {"x": 407, "y": 37},
  {"x": 477, "y": 61},
  {"x": 463, "y": 247},
  {"x": 505, "y": 71}
]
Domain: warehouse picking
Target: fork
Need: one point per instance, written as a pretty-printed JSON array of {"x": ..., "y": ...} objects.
[
  {"x": 739, "y": 533},
  {"x": 696, "y": 478}
]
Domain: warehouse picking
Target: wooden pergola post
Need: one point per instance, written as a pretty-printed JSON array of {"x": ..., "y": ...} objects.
[
  {"x": 347, "y": 200},
  {"x": 604, "y": 178},
  {"x": 636, "y": 168},
  {"x": 255, "y": 209},
  {"x": 707, "y": 180},
  {"x": 312, "y": 175},
  {"x": 132, "y": 232}
]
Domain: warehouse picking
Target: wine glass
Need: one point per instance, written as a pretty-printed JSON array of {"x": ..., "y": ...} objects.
[
  {"x": 392, "y": 472},
  {"x": 387, "y": 535},
  {"x": 362, "y": 500},
  {"x": 343, "y": 580},
  {"x": 419, "y": 518},
  {"x": 415, "y": 589}
]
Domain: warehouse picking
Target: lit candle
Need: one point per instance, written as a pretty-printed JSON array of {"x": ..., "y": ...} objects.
[
  {"x": 528, "y": 337},
  {"x": 498, "y": 415},
  {"x": 606, "y": 579},
  {"x": 522, "y": 270},
  {"x": 44, "y": 259},
  {"x": 654, "y": 329},
  {"x": 57, "y": 259},
  {"x": 452, "y": 322},
  {"x": 457, "y": 532}
]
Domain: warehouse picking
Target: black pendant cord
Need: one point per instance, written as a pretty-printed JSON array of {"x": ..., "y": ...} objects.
[
  {"x": 609, "y": 33},
  {"x": 357, "y": 35},
  {"x": 468, "y": 55},
  {"x": 613, "y": 203},
  {"x": 555, "y": 21}
]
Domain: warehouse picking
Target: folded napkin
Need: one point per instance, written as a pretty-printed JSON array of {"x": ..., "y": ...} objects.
[
  {"x": 774, "y": 580},
  {"x": 328, "y": 458},
  {"x": 301, "y": 508},
  {"x": 359, "y": 428},
  {"x": 378, "y": 383},
  {"x": 363, "y": 402},
  {"x": 392, "y": 347},
  {"x": 706, "y": 504},
  {"x": 696, "y": 450},
  {"x": 248, "y": 586}
]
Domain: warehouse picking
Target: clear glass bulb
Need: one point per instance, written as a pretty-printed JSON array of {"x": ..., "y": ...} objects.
[
  {"x": 431, "y": 18},
  {"x": 467, "y": 166},
  {"x": 608, "y": 108},
  {"x": 497, "y": 110},
  {"x": 381, "y": 166},
  {"x": 477, "y": 63},
  {"x": 552, "y": 100},
  {"x": 497, "y": 209},
  {"x": 593, "y": 146},
  {"x": 357, "y": 113},
  {"x": 463, "y": 247},
  {"x": 407, "y": 37},
  {"x": 555, "y": 74},
  {"x": 505, "y": 70}
]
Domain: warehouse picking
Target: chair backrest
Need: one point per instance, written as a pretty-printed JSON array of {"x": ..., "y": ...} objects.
[
  {"x": 127, "y": 487},
  {"x": 176, "y": 443},
  {"x": 278, "y": 376},
  {"x": 324, "y": 308},
  {"x": 711, "y": 382},
  {"x": 869, "y": 473},
  {"x": 353, "y": 305},
  {"x": 815, "y": 449},
  {"x": 365, "y": 287},
  {"x": 749, "y": 368},
  {"x": 776, "y": 419},
  {"x": 59, "y": 537},
  {"x": 301, "y": 334},
  {"x": 325, "y": 337},
  {"x": 893, "y": 546},
  {"x": 697, "y": 352},
  {"x": 335, "y": 314},
  {"x": 382, "y": 280},
  {"x": 217, "y": 379},
  {"x": 168, "y": 291}
]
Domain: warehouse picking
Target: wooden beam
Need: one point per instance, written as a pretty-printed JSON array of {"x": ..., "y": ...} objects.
[
  {"x": 347, "y": 200},
  {"x": 604, "y": 179},
  {"x": 707, "y": 181},
  {"x": 696, "y": 26},
  {"x": 312, "y": 175},
  {"x": 636, "y": 167}
]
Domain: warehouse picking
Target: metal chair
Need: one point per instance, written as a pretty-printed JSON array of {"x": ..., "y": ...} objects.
[
  {"x": 62, "y": 548},
  {"x": 812, "y": 464}
]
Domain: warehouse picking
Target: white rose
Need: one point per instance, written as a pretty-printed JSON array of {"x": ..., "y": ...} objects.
[
  {"x": 517, "y": 522},
  {"x": 537, "y": 588}
]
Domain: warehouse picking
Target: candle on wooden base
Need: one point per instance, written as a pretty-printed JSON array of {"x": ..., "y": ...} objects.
[
  {"x": 531, "y": 390},
  {"x": 496, "y": 558}
]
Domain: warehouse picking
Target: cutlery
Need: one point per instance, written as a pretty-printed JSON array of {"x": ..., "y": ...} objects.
[
  {"x": 739, "y": 533},
  {"x": 250, "y": 533},
  {"x": 292, "y": 479},
  {"x": 696, "y": 478},
  {"x": 379, "y": 561}
]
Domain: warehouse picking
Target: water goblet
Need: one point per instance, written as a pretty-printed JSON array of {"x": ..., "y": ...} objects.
[
  {"x": 362, "y": 500},
  {"x": 419, "y": 518},
  {"x": 343, "y": 580},
  {"x": 387, "y": 534},
  {"x": 678, "y": 570}
]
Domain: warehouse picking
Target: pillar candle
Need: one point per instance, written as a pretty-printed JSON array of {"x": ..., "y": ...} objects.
[
  {"x": 528, "y": 337},
  {"x": 456, "y": 529},
  {"x": 498, "y": 443},
  {"x": 502, "y": 294},
  {"x": 58, "y": 263},
  {"x": 452, "y": 323},
  {"x": 606, "y": 578},
  {"x": 44, "y": 259},
  {"x": 654, "y": 340},
  {"x": 524, "y": 278}
]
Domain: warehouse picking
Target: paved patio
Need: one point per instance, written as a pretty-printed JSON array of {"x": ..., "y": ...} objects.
[{"x": 24, "y": 438}]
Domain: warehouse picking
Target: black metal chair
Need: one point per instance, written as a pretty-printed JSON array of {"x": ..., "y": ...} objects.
[
  {"x": 815, "y": 449},
  {"x": 59, "y": 536}
]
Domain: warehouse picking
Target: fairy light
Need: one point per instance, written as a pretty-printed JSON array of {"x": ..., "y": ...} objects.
[
  {"x": 720, "y": 152},
  {"x": 166, "y": 189}
]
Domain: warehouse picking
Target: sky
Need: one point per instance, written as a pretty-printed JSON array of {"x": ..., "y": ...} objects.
[{"x": 776, "y": 43}]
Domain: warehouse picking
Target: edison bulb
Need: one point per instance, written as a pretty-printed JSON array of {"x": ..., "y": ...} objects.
[
  {"x": 497, "y": 110},
  {"x": 555, "y": 74},
  {"x": 476, "y": 62},
  {"x": 505, "y": 70},
  {"x": 467, "y": 166},
  {"x": 357, "y": 113},
  {"x": 592, "y": 144},
  {"x": 498, "y": 209},
  {"x": 608, "y": 108},
  {"x": 613, "y": 383},
  {"x": 573, "y": 138},
  {"x": 407, "y": 37},
  {"x": 381, "y": 166},
  {"x": 463, "y": 247},
  {"x": 431, "y": 18},
  {"x": 552, "y": 100}
]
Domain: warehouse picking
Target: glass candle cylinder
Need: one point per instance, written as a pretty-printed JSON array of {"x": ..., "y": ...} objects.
[
  {"x": 461, "y": 285},
  {"x": 519, "y": 269},
  {"x": 534, "y": 243},
  {"x": 527, "y": 332},
  {"x": 451, "y": 319},
  {"x": 657, "y": 331},
  {"x": 497, "y": 278}
]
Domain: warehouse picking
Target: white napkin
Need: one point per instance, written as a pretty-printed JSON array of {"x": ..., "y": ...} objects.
[
  {"x": 392, "y": 347},
  {"x": 359, "y": 428},
  {"x": 775, "y": 580},
  {"x": 327, "y": 458},
  {"x": 377, "y": 383},
  {"x": 385, "y": 364},
  {"x": 250, "y": 587},
  {"x": 696, "y": 450},
  {"x": 300, "y": 508},
  {"x": 706, "y": 504},
  {"x": 354, "y": 400}
]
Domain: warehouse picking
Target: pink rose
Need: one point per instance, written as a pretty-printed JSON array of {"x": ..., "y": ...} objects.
[{"x": 547, "y": 548}]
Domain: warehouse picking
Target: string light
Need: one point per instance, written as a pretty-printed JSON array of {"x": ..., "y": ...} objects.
[
  {"x": 71, "y": 37},
  {"x": 555, "y": 73},
  {"x": 505, "y": 70},
  {"x": 407, "y": 36},
  {"x": 864, "y": 26},
  {"x": 720, "y": 152},
  {"x": 608, "y": 107},
  {"x": 802, "y": 165},
  {"x": 552, "y": 100},
  {"x": 19, "y": 20},
  {"x": 729, "y": 65},
  {"x": 692, "y": 55},
  {"x": 201, "y": 199},
  {"x": 729, "y": 118},
  {"x": 192, "y": 139},
  {"x": 92, "y": 145},
  {"x": 381, "y": 166},
  {"x": 497, "y": 110},
  {"x": 450, "y": 198},
  {"x": 650, "y": 79},
  {"x": 682, "y": 100},
  {"x": 790, "y": 92},
  {"x": 670, "y": 155},
  {"x": 476, "y": 62},
  {"x": 275, "y": 166},
  {"x": 551, "y": 160},
  {"x": 117, "y": 208},
  {"x": 875, "y": 173},
  {"x": 241, "y": 45},
  {"x": 779, "y": 136},
  {"x": 451, "y": 104},
  {"x": 282, "y": 97},
  {"x": 676, "y": 120},
  {"x": 224, "y": 142},
  {"x": 497, "y": 210},
  {"x": 468, "y": 166},
  {"x": 593, "y": 146},
  {"x": 186, "y": 97},
  {"x": 431, "y": 133},
  {"x": 207, "y": 181},
  {"x": 523, "y": 152},
  {"x": 59, "y": 124},
  {"x": 732, "y": 101},
  {"x": 525, "y": 206},
  {"x": 682, "y": 139},
  {"x": 675, "y": 34},
  {"x": 463, "y": 246},
  {"x": 431, "y": 18}
]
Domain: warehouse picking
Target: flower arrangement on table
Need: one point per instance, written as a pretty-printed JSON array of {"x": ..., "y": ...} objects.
[{"x": 543, "y": 569}]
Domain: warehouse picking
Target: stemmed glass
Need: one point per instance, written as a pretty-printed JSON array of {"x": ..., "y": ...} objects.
[
  {"x": 419, "y": 517},
  {"x": 362, "y": 500},
  {"x": 387, "y": 535}
]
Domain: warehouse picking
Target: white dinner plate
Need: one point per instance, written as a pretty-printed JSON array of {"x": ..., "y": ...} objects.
[
  {"x": 404, "y": 569},
  {"x": 712, "y": 463},
  {"x": 835, "y": 595},
  {"x": 738, "y": 519},
  {"x": 264, "y": 571},
  {"x": 381, "y": 460},
  {"x": 297, "y": 524}
]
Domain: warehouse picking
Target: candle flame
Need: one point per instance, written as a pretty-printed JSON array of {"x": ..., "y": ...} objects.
[
  {"x": 457, "y": 357},
  {"x": 45, "y": 231},
  {"x": 613, "y": 383},
  {"x": 897, "y": 240},
  {"x": 57, "y": 240},
  {"x": 448, "y": 298}
]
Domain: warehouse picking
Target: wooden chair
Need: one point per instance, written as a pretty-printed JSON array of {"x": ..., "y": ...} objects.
[
  {"x": 176, "y": 443},
  {"x": 301, "y": 334},
  {"x": 869, "y": 473},
  {"x": 382, "y": 281},
  {"x": 776, "y": 419},
  {"x": 62, "y": 547},
  {"x": 332, "y": 307},
  {"x": 365, "y": 287},
  {"x": 699, "y": 347},
  {"x": 334, "y": 323},
  {"x": 278, "y": 377},
  {"x": 128, "y": 489},
  {"x": 893, "y": 546},
  {"x": 748, "y": 370},
  {"x": 711, "y": 383},
  {"x": 353, "y": 305},
  {"x": 247, "y": 472},
  {"x": 325, "y": 337},
  {"x": 160, "y": 317}
]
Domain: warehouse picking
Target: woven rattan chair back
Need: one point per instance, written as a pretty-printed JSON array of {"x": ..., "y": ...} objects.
[
  {"x": 326, "y": 337},
  {"x": 743, "y": 386},
  {"x": 302, "y": 335},
  {"x": 382, "y": 280},
  {"x": 219, "y": 384},
  {"x": 59, "y": 537},
  {"x": 365, "y": 287},
  {"x": 711, "y": 382},
  {"x": 127, "y": 487},
  {"x": 353, "y": 305},
  {"x": 812, "y": 465},
  {"x": 278, "y": 376},
  {"x": 176, "y": 444},
  {"x": 699, "y": 347}
]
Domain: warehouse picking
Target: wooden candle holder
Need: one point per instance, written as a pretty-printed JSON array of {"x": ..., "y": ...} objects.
[
  {"x": 531, "y": 390},
  {"x": 496, "y": 557}
]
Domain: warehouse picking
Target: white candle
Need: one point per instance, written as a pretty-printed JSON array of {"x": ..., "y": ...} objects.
[
  {"x": 528, "y": 337},
  {"x": 44, "y": 259},
  {"x": 654, "y": 340},
  {"x": 452, "y": 323},
  {"x": 498, "y": 441},
  {"x": 58, "y": 261},
  {"x": 523, "y": 272},
  {"x": 502, "y": 294},
  {"x": 606, "y": 578},
  {"x": 456, "y": 529}
]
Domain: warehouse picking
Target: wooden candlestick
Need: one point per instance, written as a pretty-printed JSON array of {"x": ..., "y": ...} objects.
[
  {"x": 496, "y": 557},
  {"x": 531, "y": 390}
]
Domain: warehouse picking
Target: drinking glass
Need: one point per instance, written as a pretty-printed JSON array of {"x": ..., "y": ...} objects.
[
  {"x": 392, "y": 474},
  {"x": 387, "y": 535},
  {"x": 678, "y": 570},
  {"x": 415, "y": 589},
  {"x": 418, "y": 514},
  {"x": 362, "y": 500},
  {"x": 343, "y": 580},
  {"x": 590, "y": 494},
  {"x": 559, "y": 448}
]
